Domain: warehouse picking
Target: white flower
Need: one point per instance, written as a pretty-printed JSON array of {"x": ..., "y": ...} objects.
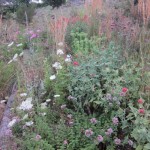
[
  {"x": 48, "y": 100},
  {"x": 68, "y": 60},
  {"x": 15, "y": 57},
  {"x": 30, "y": 123},
  {"x": 2, "y": 101},
  {"x": 60, "y": 44},
  {"x": 56, "y": 96},
  {"x": 10, "y": 61},
  {"x": 53, "y": 77},
  {"x": 23, "y": 94},
  {"x": 9, "y": 45},
  {"x": 21, "y": 54},
  {"x": 18, "y": 45},
  {"x": 26, "y": 105},
  {"x": 43, "y": 105},
  {"x": 11, "y": 123},
  {"x": 25, "y": 116},
  {"x": 57, "y": 65},
  {"x": 60, "y": 52},
  {"x": 43, "y": 114}
]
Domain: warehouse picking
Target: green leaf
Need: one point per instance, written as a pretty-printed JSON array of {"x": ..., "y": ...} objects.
[
  {"x": 140, "y": 147},
  {"x": 147, "y": 146}
]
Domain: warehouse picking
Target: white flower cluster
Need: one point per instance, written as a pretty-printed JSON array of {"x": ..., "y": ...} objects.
[
  {"x": 26, "y": 105},
  {"x": 60, "y": 52},
  {"x": 57, "y": 65},
  {"x": 15, "y": 58},
  {"x": 11, "y": 123}
]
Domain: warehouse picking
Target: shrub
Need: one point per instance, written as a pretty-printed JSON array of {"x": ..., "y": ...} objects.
[{"x": 25, "y": 13}]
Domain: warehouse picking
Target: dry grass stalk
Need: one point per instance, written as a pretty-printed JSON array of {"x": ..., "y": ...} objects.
[{"x": 144, "y": 10}]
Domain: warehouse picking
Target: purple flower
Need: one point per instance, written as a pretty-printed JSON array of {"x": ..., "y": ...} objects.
[
  {"x": 115, "y": 121},
  {"x": 99, "y": 138},
  {"x": 122, "y": 94},
  {"x": 109, "y": 131},
  {"x": 93, "y": 120},
  {"x": 88, "y": 132},
  {"x": 38, "y": 137},
  {"x": 108, "y": 96},
  {"x": 117, "y": 141},
  {"x": 130, "y": 142},
  {"x": 34, "y": 35},
  {"x": 65, "y": 142}
]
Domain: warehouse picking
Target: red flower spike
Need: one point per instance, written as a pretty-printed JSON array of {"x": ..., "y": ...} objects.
[
  {"x": 124, "y": 90},
  {"x": 141, "y": 111},
  {"x": 140, "y": 101},
  {"x": 75, "y": 63}
]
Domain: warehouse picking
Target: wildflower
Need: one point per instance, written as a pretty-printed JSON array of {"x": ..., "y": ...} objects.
[
  {"x": 130, "y": 142},
  {"x": 69, "y": 116},
  {"x": 63, "y": 106},
  {"x": 48, "y": 100},
  {"x": 140, "y": 101},
  {"x": 38, "y": 137},
  {"x": 15, "y": 57},
  {"x": 141, "y": 111},
  {"x": 93, "y": 120},
  {"x": 57, "y": 65},
  {"x": 88, "y": 132},
  {"x": 109, "y": 131},
  {"x": 43, "y": 105},
  {"x": 12, "y": 123},
  {"x": 56, "y": 96},
  {"x": 25, "y": 117},
  {"x": 122, "y": 94},
  {"x": 53, "y": 77},
  {"x": 21, "y": 54},
  {"x": 30, "y": 123},
  {"x": 75, "y": 63},
  {"x": 124, "y": 90},
  {"x": 108, "y": 96},
  {"x": 71, "y": 98},
  {"x": 23, "y": 94},
  {"x": 10, "y": 61},
  {"x": 70, "y": 122},
  {"x": 18, "y": 45},
  {"x": 115, "y": 121},
  {"x": 60, "y": 52},
  {"x": 117, "y": 141},
  {"x": 99, "y": 138},
  {"x": 60, "y": 44},
  {"x": 34, "y": 35},
  {"x": 3, "y": 101},
  {"x": 26, "y": 105},
  {"x": 68, "y": 59},
  {"x": 9, "y": 45},
  {"x": 43, "y": 114},
  {"x": 65, "y": 142}
]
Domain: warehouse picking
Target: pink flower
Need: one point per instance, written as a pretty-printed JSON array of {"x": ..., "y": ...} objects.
[
  {"x": 117, "y": 141},
  {"x": 75, "y": 63},
  {"x": 122, "y": 94},
  {"x": 141, "y": 111},
  {"x": 34, "y": 35},
  {"x": 69, "y": 116},
  {"x": 38, "y": 137},
  {"x": 65, "y": 142},
  {"x": 140, "y": 101},
  {"x": 88, "y": 132},
  {"x": 130, "y": 142},
  {"x": 109, "y": 131},
  {"x": 93, "y": 120},
  {"x": 99, "y": 138},
  {"x": 124, "y": 90},
  {"x": 115, "y": 121}
]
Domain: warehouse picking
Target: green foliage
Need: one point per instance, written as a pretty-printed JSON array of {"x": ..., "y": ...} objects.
[
  {"x": 25, "y": 13},
  {"x": 78, "y": 27}
]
